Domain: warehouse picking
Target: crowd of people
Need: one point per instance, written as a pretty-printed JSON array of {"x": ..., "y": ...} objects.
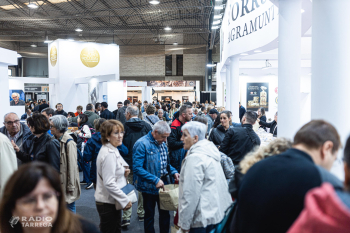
[{"x": 221, "y": 168}]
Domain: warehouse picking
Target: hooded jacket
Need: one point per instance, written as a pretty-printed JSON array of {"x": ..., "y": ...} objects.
[
  {"x": 217, "y": 135},
  {"x": 151, "y": 119},
  {"x": 325, "y": 210},
  {"x": 25, "y": 133},
  {"x": 45, "y": 149},
  {"x": 176, "y": 150},
  {"x": 203, "y": 190},
  {"x": 91, "y": 117},
  {"x": 135, "y": 129}
]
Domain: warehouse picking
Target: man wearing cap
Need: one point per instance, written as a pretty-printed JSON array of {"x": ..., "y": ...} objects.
[{"x": 211, "y": 116}]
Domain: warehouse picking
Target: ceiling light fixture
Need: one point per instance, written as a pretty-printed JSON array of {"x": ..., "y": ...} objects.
[
  {"x": 33, "y": 45},
  {"x": 257, "y": 51},
  {"x": 47, "y": 40},
  {"x": 219, "y": 7},
  {"x": 167, "y": 28},
  {"x": 78, "y": 30},
  {"x": 267, "y": 65},
  {"x": 215, "y": 27},
  {"x": 217, "y": 22},
  {"x": 32, "y": 5},
  {"x": 154, "y": 2},
  {"x": 211, "y": 65},
  {"x": 217, "y": 16},
  {"x": 175, "y": 43}
]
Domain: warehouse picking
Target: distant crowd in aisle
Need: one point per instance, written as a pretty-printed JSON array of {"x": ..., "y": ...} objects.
[{"x": 230, "y": 179}]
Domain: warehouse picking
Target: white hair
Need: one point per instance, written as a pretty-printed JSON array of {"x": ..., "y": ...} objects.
[
  {"x": 15, "y": 93},
  {"x": 161, "y": 127},
  {"x": 133, "y": 110},
  {"x": 195, "y": 128}
]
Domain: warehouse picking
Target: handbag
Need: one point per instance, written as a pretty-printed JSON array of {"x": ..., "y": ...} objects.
[{"x": 130, "y": 191}]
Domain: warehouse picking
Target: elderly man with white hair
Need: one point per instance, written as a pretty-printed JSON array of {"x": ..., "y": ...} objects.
[
  {"x": 69, "y": 172},
  {"x": 152, "y": 167},
  {"x": 203, "y": 191},
  {"x": 16, "y": 101}
]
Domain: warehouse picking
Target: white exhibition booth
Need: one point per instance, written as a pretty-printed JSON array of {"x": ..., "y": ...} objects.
[{"x": 262, "y": 26}]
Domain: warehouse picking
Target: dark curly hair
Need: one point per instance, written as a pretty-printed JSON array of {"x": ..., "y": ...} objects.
[{"x": 39, "y": 122}]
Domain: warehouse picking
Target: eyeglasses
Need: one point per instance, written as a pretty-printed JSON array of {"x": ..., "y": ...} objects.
[
  {"x": 31, "y": 202},
  {"x": 12, "y": 122}
]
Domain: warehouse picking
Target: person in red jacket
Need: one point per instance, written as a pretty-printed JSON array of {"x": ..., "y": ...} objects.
[
  {"x": 79, "y": 110},
  {"x": 326, "y": 209}
]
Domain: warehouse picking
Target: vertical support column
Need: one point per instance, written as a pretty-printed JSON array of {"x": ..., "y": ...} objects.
[
  {"x": 4, "y": 90},
  {"x": 210, "y": 69},
  {"x": 228, "y": 85},
  {"x": 330, "y": 67},
  {"x": 234, "y": 88},
  {"x": 289, "y": 68}
]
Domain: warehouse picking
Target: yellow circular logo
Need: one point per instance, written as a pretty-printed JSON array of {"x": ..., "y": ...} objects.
[
  {"x": 90, "y": 57},
  {"x": 53, "y": 55}
]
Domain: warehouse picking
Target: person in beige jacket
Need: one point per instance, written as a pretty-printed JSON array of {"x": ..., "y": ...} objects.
[
  {"x": 8, "y": 161},
  {"x": 69, "y": 172},
  {"x": 112, "y": 171}
]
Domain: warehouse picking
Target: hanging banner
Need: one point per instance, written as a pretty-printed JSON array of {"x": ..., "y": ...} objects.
[{"x": 257, "y": 96}]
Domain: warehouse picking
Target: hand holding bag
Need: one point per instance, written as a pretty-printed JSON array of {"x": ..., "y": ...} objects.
[{"x": 169, "y": 197}]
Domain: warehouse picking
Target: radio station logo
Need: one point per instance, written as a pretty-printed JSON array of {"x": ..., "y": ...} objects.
[
  {"x": 53, "y": 55},
  {"x": 90, "y": 57}
]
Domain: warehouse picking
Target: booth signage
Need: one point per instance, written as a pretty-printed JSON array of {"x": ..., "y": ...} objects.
[
  {"x": 53, "y": 55},
  {"x": 171, "y": 83},
  {"x": 248, "y": 25},
  {"x": 32, "y": 89},
  {"x": 90, "y": 57},
  {"x": 257, "y": 96}
]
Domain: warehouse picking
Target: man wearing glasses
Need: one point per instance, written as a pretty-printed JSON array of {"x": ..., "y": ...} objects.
[{"x": 15, "y": 130}]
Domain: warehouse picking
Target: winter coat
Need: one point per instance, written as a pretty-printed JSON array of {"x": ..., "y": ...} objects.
[
  {"x": 151, "y": 119},
  {"x": 108, "y": 115},
  {"x": 217, "y": 135},
  {"x": 121, "y": 114},
  {"x": 203, "y": 190},
  {"x": 263, "y": 118},
  {"x": 44, "y": 149},
  {"x": 110, "y": 179},
  {"x": 227, "y": 166},
  {"x": 69, "y": 171},
  {"x": 176, "y": 151},
  {"x": 272, "y": 125},
  {"x": 146, "y": 167},
  {"x": 91, "y": 117},
  {"x": 42, "y": 107},
  {"x": 25, "y": 133},
  {"x": 238, "y": 142},
  {"x": 8, "y": 161},
  {"x": 134, "y": 129},
  {"x": 91, "y": 150},
  {"x": 61, "y": 113},
  {"x": 326, "y": 211},
  {"x": 242, "y": 111},
  {"x": 272, "y": 192}
]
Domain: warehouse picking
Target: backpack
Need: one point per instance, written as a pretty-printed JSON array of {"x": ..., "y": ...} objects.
[{"x": 224, "y": 225}]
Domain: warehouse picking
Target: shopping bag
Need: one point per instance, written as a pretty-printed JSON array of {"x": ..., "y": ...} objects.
[
  {"x": 174, "y": 229},
  {"x": 169, "y": 197}
]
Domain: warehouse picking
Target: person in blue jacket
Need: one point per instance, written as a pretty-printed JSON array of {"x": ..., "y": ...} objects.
[{"x": 93, "y": 146}]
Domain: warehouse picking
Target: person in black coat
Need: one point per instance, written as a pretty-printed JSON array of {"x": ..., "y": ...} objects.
[
  {"x": 40, "y": 146},
  {"x": 60, "y": 110},
  {"x": 43, "y": 105},
  {"x": 272, "y": 125},
  {"x": 242, "y": 111},
  {"x": 271, "y": 194},
  {"x": 106, "y": 114},
  {"x": 239, "y": 141},
  {"x": 262, "y": 116},
  {"x": 221, "y": 126}
]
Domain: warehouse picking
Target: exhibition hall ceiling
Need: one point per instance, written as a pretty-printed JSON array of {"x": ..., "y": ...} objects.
[{"x": 126, "y": 22}]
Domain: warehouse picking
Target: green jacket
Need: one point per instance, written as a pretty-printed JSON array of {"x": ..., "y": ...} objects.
[{"x": 91, "y": 115}]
